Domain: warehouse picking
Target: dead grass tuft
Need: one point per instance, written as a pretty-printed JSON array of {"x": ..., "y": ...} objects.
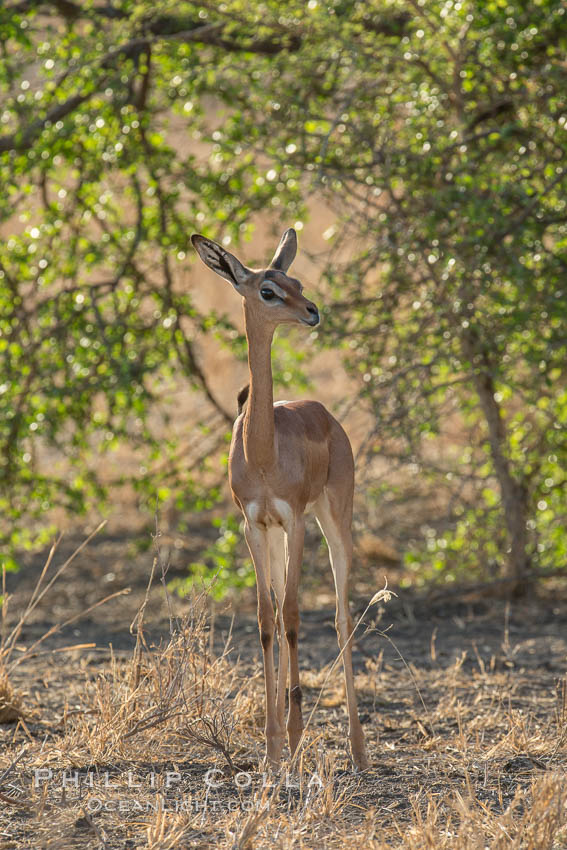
[
  {"x": 164, "y": 700},
  {"x": 11, "y": 703},
  {"x": 535, "y": 819}
]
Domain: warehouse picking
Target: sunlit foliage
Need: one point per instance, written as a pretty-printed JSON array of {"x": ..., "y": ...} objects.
[
  {"x": 98, "y": 202},
  {"x": 437, "y": 130}
]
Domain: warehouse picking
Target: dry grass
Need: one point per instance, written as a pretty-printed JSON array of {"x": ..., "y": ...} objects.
[
  {"x": 161, "y": 747},
  {"x": 10, "y": 700}
]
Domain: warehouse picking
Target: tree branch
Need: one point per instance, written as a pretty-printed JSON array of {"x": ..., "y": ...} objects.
[{"x": 22, "y": 140}]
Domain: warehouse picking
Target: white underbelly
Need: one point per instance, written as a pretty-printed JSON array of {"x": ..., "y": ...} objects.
[{"x": 272, "y": 512}]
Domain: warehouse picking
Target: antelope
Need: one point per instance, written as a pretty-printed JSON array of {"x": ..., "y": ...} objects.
[{"x": 286, "y": 458}]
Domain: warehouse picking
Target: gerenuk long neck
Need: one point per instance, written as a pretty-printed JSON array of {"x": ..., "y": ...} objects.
[{"x": 259, "y": 445}]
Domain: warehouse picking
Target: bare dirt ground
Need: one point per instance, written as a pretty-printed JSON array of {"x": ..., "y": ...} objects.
[{"x": 153, "y": 736}]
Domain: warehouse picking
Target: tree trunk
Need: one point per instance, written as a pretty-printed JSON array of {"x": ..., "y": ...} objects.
[{"x": 515, "y": 501}]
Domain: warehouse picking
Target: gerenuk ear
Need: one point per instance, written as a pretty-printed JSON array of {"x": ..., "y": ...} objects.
[
  {"x": 220, "y": 261},
  {"x": 286, "y": 251}
]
